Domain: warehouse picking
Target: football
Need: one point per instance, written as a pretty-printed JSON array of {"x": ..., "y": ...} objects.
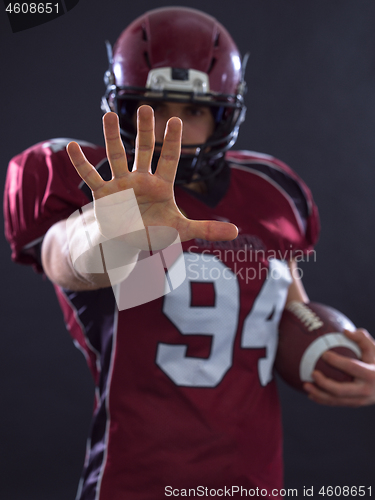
[{"x": 306, "y": 331}]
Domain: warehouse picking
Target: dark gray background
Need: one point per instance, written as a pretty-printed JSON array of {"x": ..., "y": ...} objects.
[{"x": 311, "y": 102}]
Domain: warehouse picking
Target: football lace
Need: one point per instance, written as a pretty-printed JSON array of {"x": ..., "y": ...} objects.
[{"x": 305, "y": 315}]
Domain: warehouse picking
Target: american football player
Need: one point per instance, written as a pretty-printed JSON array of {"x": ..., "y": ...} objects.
[{"x": 185, "y": 394}]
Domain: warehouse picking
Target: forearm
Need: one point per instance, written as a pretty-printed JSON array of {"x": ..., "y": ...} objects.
[
  {"x": 89, "y": 269},
  {"x": 296, "y": 291}
]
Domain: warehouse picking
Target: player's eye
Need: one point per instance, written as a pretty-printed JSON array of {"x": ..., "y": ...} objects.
[{"x": 197, "y": 110}]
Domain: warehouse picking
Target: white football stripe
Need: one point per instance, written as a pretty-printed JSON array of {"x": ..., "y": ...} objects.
[{"x": 318, "y": 347}]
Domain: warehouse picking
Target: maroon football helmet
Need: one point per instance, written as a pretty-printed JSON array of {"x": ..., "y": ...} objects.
[{"x": 183, "y": 55}]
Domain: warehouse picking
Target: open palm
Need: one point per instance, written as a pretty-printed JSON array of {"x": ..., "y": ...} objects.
[{"x": 153, "y": 192}]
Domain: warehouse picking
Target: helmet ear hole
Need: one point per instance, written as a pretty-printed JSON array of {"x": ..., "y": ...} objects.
[
  {"x": 212, "y": 64},
  {"x": 147, "y": 59}
]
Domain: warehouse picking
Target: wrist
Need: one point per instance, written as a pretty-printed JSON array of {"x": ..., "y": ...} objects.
[{"x": 92, "y": 254}]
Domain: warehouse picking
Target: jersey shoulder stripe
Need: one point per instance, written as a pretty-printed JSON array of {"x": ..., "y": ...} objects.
[{"x": 285, "y": 180}]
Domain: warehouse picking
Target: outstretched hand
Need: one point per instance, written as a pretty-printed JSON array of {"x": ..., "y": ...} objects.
[{"x": 153, "y": 192}]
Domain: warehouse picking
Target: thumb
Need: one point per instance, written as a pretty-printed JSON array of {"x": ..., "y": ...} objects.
[{"x": 211, "y": 230}]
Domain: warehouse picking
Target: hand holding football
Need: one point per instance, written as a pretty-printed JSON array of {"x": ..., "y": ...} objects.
[{"x": 306, "y": 331}]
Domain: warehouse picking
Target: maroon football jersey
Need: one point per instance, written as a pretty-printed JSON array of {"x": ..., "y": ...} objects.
[{"x": 185, "y": 394}]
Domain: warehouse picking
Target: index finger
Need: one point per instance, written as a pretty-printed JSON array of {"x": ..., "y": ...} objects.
[
  {"x": 354, "y": 367},
  {"x": 113, "y": 143},
  {"x": 85, "y": 170}
]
